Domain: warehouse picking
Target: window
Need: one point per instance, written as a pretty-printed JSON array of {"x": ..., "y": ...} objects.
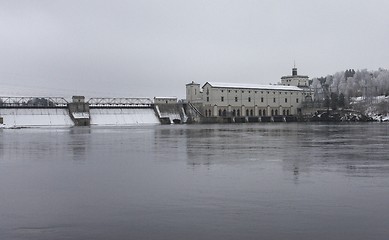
[
  {"x": 274, "y": 99},
  {"x": 207, "y": 99},
  {"x": 236, "y": 91},
  {"x": 236, "y": 99},
  {"x": 238, "y": 112},
  {"x": 249, "y": 99},
  {"x": 297, "y": 100},
  {"x": 286, "y": 100},
  {"x": 220, "y": 112},
  {"x": 261, "y": 99},
  {"x": 247, "y": 112},
  {"x": 242, "y": 91},
  {"x": 229, "y": 90},
  {"x": 222, "y": 99},
  {"x": 251, "y": 112},
  {"x": 222, "y": 90}
]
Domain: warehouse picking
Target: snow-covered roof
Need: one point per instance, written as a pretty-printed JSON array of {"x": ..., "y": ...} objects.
[
  {"x": 165, "y": 97},
  {"x": 253, "y": 86}
]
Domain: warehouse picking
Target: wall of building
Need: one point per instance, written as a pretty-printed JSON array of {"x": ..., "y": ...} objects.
[
  {"x": 250, "y": 102},
  {"x": 194, "y": 93}
]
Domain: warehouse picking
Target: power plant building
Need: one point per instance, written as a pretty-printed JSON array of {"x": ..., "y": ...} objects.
[{"x": 249, "y": 100}]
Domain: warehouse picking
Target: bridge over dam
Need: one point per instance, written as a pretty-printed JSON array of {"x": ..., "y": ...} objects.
[{"x": 57, "y": 111}]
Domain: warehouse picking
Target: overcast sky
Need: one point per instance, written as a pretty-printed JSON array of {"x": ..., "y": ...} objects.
[{"x": 150, "y": 48}]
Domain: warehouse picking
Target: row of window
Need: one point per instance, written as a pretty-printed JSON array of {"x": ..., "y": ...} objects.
[
  {"x": 249, "y": 99},
  {"x": 234, "y": 113},
  {"x": 268, "y": 92}
]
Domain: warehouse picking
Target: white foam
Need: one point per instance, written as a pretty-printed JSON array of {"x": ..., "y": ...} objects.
[
  {"x": 28, "y": 117},
  {"x": 122, "y": 116}
]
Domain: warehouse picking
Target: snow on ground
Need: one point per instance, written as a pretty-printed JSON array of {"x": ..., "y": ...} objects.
[
  {"x": 376, "y": 99},
  {"x": 123, "y": 116},
  {"x": 80, "y": 115},
  {"x": 380, "y": 118},
  {"x": 27, "y": 117}
]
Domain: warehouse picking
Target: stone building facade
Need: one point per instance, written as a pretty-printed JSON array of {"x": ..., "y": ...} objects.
[{"x": 241, "y": 100}]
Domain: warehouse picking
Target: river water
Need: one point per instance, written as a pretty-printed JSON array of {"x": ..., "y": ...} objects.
[{"x": 249, "y": 181}]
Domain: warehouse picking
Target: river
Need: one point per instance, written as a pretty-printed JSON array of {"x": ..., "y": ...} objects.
[{"x": 227, "y": 181}]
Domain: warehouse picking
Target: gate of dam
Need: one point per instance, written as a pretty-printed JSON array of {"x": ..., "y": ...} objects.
[{"x": 57, "y": 111}]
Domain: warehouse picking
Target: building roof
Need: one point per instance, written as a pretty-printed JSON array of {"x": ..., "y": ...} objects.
[
  {"x": 295, "y": 76},
  {"x": 253, "y": 86}
]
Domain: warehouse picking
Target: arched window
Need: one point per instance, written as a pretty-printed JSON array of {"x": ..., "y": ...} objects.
[
  {"x": 283, "y": 112},
  {"x": 287, "y": 112},
  {"x": 233, "y": 113},
  {"x": 238, "y": 112},
  {"x": 263, "y": 112},
  {"x": 220, "y": 112},
  {"x": 276, "y": 112},
  {"x": 206, "y": 113},
  {"x": 251, "y": 112},
  {"x": 209, "y": 112},
  {"x": 224, "y": 113},
  {"x": 247, "y": 112},
  {"x": 272, "y": 112},
  {"x": 260, "y": 112}
]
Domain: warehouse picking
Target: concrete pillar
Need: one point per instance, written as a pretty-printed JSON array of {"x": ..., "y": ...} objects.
[
  {"x": 256, "y": 111},
  {"x": 280, "y": 113},
  {"x": 268, "y": 111},
  {"x": 215, "y": 113},
  {"x": 243, "y": 111}
]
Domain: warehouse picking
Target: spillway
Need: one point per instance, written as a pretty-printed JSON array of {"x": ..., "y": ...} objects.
[
  {"x": 122, "y": 116},
  {"x": 29, "y": 117}
]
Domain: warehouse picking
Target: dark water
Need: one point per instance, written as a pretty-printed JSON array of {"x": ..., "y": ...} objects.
[{"x": 251, "y": 181}]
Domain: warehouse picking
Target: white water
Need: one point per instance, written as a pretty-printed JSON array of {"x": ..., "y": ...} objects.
[
  {"x": 27, "y": 117},
  {"x": 123, "y": 116}
]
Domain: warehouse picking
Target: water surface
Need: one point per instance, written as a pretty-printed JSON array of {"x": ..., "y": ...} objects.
[{"x": 249, "y": 181}]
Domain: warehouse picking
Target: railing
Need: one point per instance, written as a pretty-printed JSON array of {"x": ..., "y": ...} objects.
[
  {"x": 37, "y": 102},
  {"x": 120, "y": 102}
]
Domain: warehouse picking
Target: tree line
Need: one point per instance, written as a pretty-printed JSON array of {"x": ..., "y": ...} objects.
[{"x": 336, "y": 90}]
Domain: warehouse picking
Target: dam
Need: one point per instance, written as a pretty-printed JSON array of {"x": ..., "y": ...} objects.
[{"x": 59, "y": 112}]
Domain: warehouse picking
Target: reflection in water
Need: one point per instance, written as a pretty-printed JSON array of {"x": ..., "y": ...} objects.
[
  {"x": 297, "y": 146},
  {"x": 78, "y": 142}
]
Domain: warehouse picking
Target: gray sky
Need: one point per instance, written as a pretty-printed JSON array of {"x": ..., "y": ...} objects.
[{"x": 150, "y": 48}]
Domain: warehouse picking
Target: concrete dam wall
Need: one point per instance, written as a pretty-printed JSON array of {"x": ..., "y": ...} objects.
[
  {"x": 122, "y": 116},
  {"x": 57, "y": 111},
  {"x": 24, "y": 117},
  {"x": 171, "y": 113}
]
